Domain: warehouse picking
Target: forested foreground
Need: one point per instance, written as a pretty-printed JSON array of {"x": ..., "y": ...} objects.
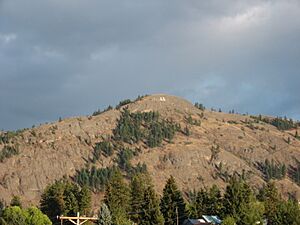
[{"x": 138, "y": 203}]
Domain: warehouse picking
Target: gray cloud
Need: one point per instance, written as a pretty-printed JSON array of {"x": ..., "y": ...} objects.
[{"x": 65, "y": 58}]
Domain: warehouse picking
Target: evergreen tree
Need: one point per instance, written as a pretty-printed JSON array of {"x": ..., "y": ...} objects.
[
  {"x": 271, "y": 198},
  {"x": 151, "y": 214},
  {"x": 85, "y": 200},
  {"x": 200, "y": 204},
  {"x": 64, "y": 198},
  {"x": 252, "y": 212},
  {"x": 52, "y": 201},
  {"x": 172, "y": 202},
  {"x": 139, "y": 183},
  {"x": 104, "y": 215},
  {"x": 214, "y": 205},
  {"x": 71, "y": 197},
  {"x": 117, "y": 198},
  {"x": 236, "y": 195}
]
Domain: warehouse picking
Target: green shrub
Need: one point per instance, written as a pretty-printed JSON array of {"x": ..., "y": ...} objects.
[
  {"x": 105, "y": 148},
  {"x": 124, "y": 157},
  {"x": 7, "y": 152}
]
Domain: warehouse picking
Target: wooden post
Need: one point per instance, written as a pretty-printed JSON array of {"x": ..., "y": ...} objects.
[
  {"x": 77, "y": 220},
  {"x": 177, "y": 216}
]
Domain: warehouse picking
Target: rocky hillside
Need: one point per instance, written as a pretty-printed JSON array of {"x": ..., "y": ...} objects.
[{"x": 208, "y": 148}]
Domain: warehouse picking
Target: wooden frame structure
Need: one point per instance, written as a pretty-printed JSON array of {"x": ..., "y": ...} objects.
[{"x": 77, "y": 220}]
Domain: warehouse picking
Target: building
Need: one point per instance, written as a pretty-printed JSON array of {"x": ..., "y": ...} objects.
[{"x": 205, "y": 220}]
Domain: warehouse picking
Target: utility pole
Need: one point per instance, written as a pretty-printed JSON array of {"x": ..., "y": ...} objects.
[
  {"x": 77, "y": 220},
  {"x": 177, "y": 216}
]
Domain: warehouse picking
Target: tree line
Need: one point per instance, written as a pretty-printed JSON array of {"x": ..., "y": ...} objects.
[
  {"x": 137, "y": 201},
  {"x": 279, "y": 122}
]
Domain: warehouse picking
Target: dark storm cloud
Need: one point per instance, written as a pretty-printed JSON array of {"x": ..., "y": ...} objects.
[{"x": 64, "y": 58}]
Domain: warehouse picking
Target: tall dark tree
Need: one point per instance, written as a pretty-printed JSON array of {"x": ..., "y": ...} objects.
[
  {"x": 237, "y": 194},
  {"x": 139, "y": 183},
  {"x": 199, "y": 205},
  {"x": 64, "y": 198},
  {"x": 151, "y": 214},
  {"x": 215, "y": 204},
  {"x": 271, "y": 198},
  {"x": 172, "y": 203},
  {"x": 85, "y": 200},
  {"x": 117, "y": 198}
]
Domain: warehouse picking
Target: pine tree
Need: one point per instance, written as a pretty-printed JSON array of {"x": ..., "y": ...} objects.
[
  {"x": 171, "y": 202},
  {"x": 139, "y": 183},
  {"x": 71, "y": 197},
  {"x": 199, "y": 205},
  {"x": 151, "y": 214},
  {"x": 252, "y": 212},
  {"x": 60, "y": 198},
  {"x": 215, "y": 205},
  {"x": 104, "y": 215},
  {"x": 117, "y": 198},
  {"x": 271, "y": 198},
  {"x": 236, "y": 195},
  {"x": 85, "y": 200}
]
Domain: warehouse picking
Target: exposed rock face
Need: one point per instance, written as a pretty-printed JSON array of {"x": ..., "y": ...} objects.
[{"x": 51, "y": 151}]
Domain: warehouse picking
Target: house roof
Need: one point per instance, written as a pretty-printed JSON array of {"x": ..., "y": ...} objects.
[
  {"x": 212, "y": 219},
  {"x": 203, "y": 221},
  {"x": 195, "y": 222}
]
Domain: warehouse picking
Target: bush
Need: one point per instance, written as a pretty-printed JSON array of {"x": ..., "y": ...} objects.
[
  {"x": 124, "y": 157},
  {"x": 6, "y": 137},
  {"x": 7, "y": 152},
  {"x": 294, "y": 173},
  {"x": 104, "y": 147}
]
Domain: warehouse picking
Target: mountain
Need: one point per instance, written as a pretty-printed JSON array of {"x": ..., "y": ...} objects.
[{"x": 207, "y": 148}]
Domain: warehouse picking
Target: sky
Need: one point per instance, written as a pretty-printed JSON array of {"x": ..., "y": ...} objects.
[{"x": 72, "y": 57}]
